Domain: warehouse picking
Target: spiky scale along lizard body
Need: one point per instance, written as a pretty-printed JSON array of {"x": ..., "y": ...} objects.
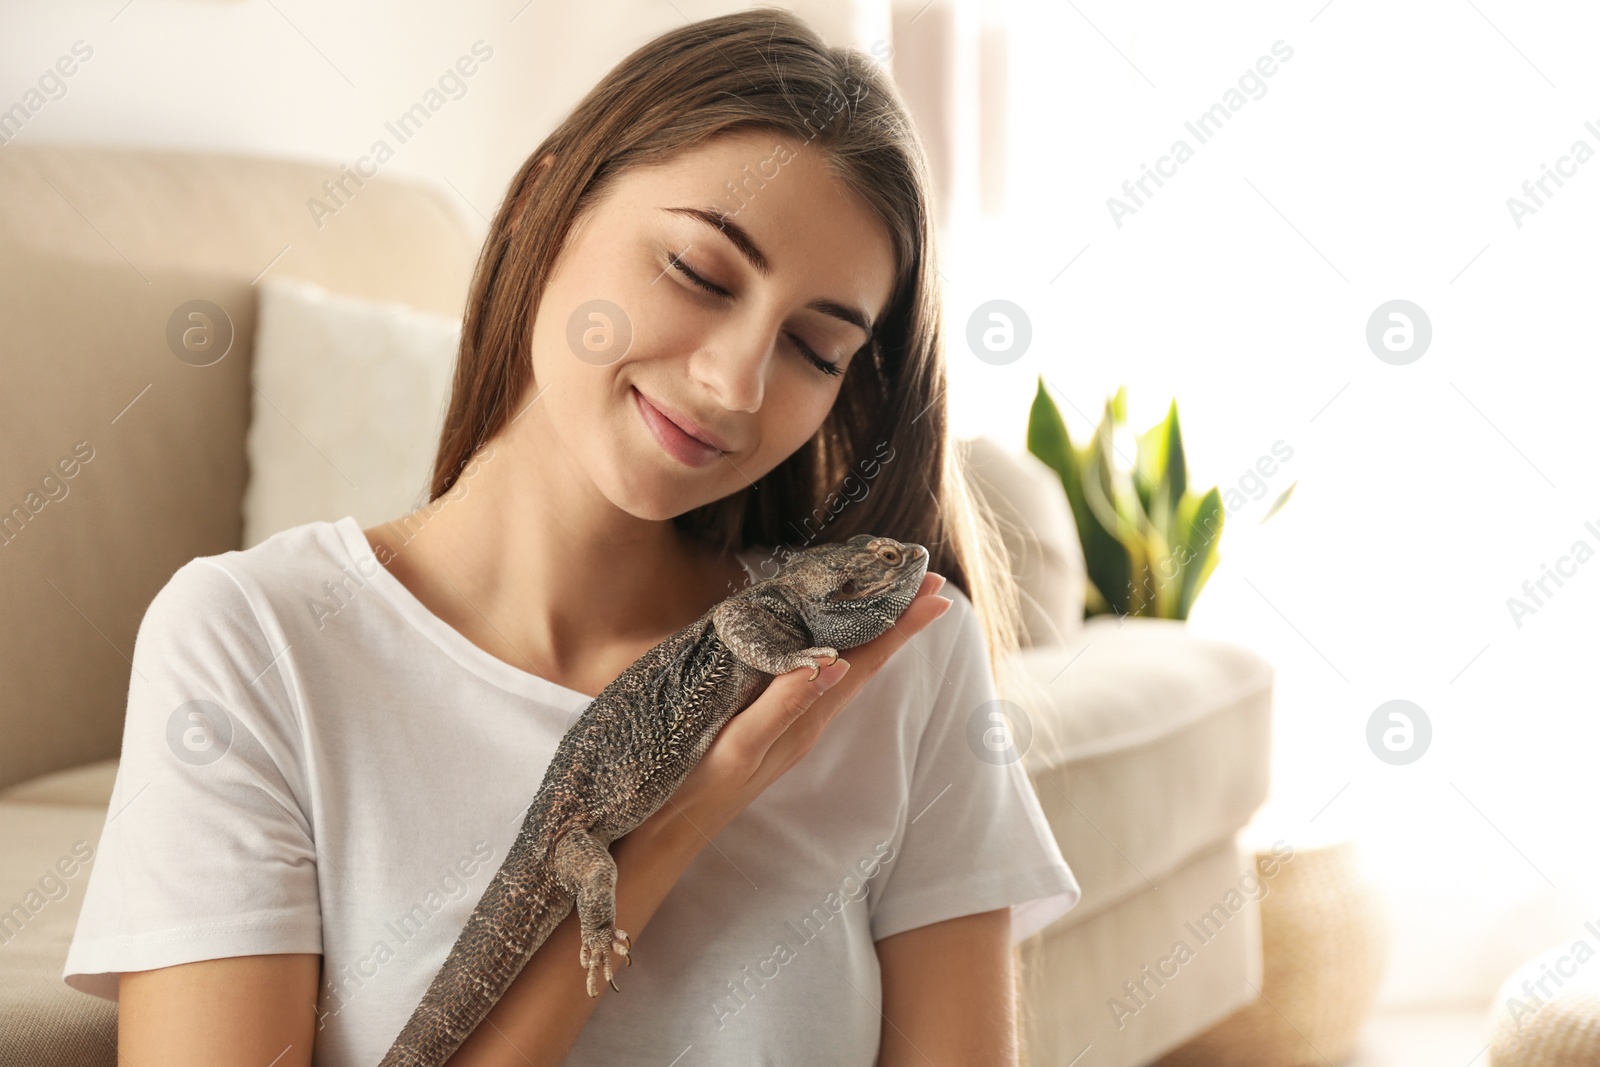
[{"x": 630, "y": 750}]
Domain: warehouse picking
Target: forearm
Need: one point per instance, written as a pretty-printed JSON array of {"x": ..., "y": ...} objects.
[{"x": 540, "y": 1016}]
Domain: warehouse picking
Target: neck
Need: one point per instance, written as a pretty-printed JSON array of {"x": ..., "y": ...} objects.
[{"x": 529, "y": 560}]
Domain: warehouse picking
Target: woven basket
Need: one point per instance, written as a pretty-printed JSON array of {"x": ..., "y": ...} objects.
[
  {"x": 1556, "y": 1026},
  {"x": 1324, "y": 942}
]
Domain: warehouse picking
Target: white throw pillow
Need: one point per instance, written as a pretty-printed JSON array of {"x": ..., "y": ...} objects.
[
  {"x": 1040, "y": 536},
  {"x": 349, "y": 397}
]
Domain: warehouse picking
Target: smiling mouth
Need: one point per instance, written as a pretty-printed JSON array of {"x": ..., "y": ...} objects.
[{"x": 673, "y": 439}]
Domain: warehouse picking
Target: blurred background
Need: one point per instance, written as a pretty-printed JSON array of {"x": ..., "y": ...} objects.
[{"x": 1393, "y": 154}]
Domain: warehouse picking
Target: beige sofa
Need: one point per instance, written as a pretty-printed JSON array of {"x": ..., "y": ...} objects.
[{"x": 123, "y": 461}]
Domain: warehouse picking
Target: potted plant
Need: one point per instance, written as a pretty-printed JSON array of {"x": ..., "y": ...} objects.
[{"x": 1149, "y": 542}]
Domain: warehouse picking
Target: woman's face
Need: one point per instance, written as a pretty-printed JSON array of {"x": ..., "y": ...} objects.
[{"x": 632, "y": 351}]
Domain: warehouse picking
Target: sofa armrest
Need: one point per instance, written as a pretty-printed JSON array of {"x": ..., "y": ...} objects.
[{"x": 1149, "y": 745}]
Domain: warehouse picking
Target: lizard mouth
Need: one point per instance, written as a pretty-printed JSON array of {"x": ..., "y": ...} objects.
[{"x": 906, "y": 579}]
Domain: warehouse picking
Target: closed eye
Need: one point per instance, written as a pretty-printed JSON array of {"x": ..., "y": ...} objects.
[
  {"x": 677, "y": 263},
  {"x": 682, "y": 268}
]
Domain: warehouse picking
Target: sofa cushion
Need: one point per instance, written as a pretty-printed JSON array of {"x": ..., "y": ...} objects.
[
  {"x": 124, "y": 452},
  {"x": 88, "y": 786},
  {"x": 1149, "y": 744},
  {"x": 1073, "y": 976},
  {"x": 45, "y": 854},
  {"x": 314, "y": 351},
  {"x": 1040, "y": 536}
]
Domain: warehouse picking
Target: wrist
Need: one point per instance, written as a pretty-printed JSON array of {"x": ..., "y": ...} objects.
[{"x": 674, "y": 834}]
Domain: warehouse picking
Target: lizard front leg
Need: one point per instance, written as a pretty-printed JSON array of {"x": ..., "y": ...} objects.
[
  {"x": 764, "y": 641},
  {"x": 584, "y": 868}
]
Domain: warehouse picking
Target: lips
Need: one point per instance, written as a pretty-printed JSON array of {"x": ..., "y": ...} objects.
[
  {"x": 683, "y": 423},
  {"x": 676, "y": 439}
]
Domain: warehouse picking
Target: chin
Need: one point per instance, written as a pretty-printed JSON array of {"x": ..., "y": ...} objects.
[{"x": 645, "y": 491}]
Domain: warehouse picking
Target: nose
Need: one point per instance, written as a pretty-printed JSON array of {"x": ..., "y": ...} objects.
[{"x": 734, "y": 369}]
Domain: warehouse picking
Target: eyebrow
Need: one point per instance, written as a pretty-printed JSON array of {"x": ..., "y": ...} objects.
[{"x": 741, "y": 239}]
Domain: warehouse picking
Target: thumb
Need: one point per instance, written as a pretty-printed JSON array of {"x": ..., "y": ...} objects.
[{"x": 801, "y": 690}]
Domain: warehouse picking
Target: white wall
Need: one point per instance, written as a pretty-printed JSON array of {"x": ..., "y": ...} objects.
[
  {"x": 1377, "y": 165},
  {"x": 319, "y": 81}
]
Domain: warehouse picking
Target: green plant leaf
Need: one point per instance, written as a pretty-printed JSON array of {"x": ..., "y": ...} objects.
[
  {"x": 1149, "y": 544},
  {"x": 1283, "y": 498},
  {"x": 1146, "y": 472},
  {"x": 1177, "y": 462},
  {"x": 1114, "y": 541},
  {"x": 1160, "y": 474},
  {"x": 1105, "y": 559},
  {"x": 1201, "y": 518},
  {"x": 1048, "y": 439},
  {"x": 1146, "y": 541}
]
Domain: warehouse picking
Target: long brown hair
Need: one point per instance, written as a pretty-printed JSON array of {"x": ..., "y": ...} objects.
[{"x": 761, "y": 68}]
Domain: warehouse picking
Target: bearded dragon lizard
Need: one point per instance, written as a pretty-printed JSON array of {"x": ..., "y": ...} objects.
[{"x": 629, "y": 751}]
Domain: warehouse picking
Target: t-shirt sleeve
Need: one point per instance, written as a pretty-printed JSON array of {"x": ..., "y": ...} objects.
[
  {"x": 976, "y": 838},
  {"x": 206, "y": 851}
]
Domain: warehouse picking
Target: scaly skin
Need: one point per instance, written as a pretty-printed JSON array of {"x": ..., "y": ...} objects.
[{"x": 630, "y": 750}]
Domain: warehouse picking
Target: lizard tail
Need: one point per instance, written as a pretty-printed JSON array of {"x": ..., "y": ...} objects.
[{"x": 519, "y": 909}]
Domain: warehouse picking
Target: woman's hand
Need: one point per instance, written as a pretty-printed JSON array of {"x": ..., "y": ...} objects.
[
  {"x": 542, "y": 1013},
  {"x": 760, "y": 743}
]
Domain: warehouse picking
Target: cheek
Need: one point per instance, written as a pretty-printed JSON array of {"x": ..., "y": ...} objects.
[
  {"x": 573, "y": 396},
  {"x": 794, "y": 408},
  {"x": 594, "y": 312},
  {"x": 555, "y": 366},
  {"x": 593, "y": 318},
  {"x": 666, "y": 320}
]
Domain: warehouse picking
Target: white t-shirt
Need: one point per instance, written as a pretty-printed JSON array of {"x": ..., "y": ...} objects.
[{"x": 313, "y": 761}]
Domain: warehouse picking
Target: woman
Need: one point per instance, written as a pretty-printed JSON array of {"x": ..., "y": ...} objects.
[{"x": 703, "y": 332}]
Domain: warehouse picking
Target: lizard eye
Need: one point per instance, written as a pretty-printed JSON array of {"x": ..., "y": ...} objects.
[{"x": 890, "y": 555}]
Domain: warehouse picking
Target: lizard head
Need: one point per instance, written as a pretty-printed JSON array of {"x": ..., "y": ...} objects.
[{"x": 858, "y": 588}]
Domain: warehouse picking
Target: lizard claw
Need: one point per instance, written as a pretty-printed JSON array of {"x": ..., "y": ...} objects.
[
  {"x": 832, "y": 657},
  {"x": 595, "y": 952}
]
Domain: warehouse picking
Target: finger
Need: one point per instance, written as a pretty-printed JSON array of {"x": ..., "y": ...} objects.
[
  {"x": 923, "y": 610},
  {"x": 792, "y": 694},
  {"x": 804, "y": 728},
  {"x": 871, "y": 657},
  {"x": 785, "y": 701}
]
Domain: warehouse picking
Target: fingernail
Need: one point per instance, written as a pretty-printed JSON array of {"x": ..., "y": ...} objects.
[{"x": 829, "y": 676}]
